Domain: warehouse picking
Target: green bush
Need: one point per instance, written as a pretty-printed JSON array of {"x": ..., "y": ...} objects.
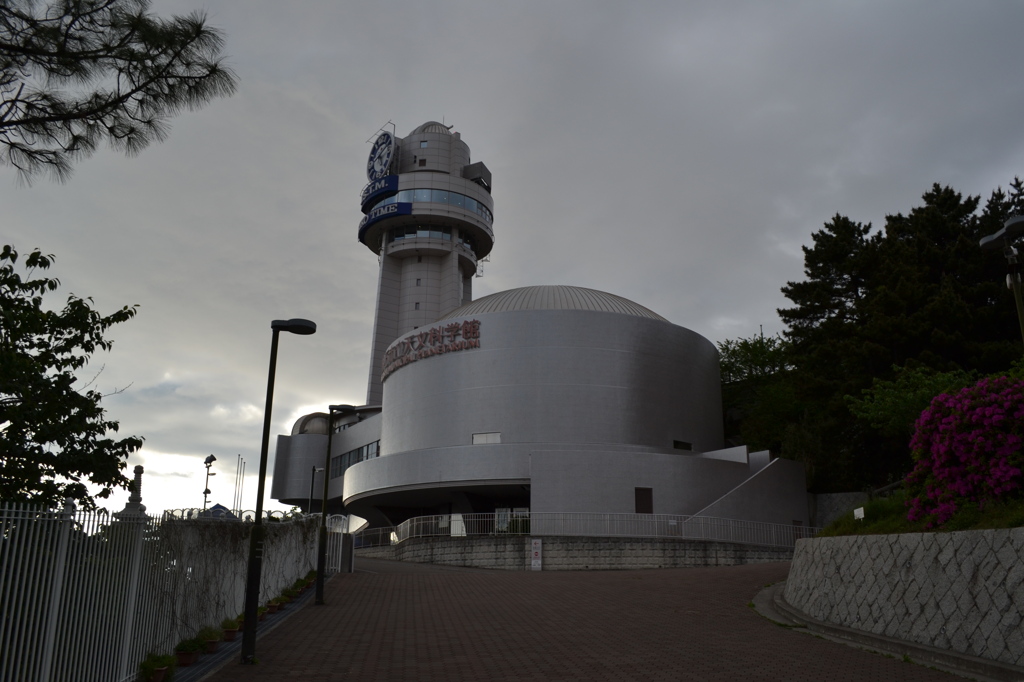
[
  {"x": 192, "y": 644},
  {"x": 153, "y": 662},
  {"x": 210, "y": 634}
]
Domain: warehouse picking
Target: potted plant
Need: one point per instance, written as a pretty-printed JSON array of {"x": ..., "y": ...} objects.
[
  {"x": 210, "y": 636},
  {"x": 230, "y": 626},
  {"x": 289, "y": 593},
  {"x": 157, "y": 668},
  {"x": 262, "y": 612},
  {"x": 188, "y": 650}
]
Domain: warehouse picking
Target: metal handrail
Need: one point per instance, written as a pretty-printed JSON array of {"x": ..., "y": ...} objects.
[{"x": 573, "y": 524}]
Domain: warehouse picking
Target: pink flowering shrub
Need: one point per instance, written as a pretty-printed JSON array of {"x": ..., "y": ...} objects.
[{"x": 968, "y": 448}]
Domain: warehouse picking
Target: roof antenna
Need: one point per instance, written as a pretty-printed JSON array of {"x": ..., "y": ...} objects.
[{"x": 394, "y": 130}]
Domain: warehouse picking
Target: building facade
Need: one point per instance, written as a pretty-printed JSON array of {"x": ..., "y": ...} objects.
[{"x": 547, "y": 398}]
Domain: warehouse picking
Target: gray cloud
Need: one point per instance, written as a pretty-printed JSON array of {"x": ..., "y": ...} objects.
[{"x": 675, "y": 154}]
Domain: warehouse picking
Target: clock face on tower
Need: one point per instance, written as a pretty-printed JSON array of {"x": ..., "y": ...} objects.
[{"x": 380, "y": 157}]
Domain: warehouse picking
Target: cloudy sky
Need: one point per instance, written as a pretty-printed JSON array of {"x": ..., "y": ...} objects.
[{"x": 677, "y": 154}]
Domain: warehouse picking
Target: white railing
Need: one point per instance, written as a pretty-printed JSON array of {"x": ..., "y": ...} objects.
[
  {"x": 540, "y": 524},
  {"x": 84, "y": 596}
]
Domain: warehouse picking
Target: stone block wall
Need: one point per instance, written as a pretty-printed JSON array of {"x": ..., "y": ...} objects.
[
  {"x": 512, "y": 552},
  {"x": 961, "y": 591}
]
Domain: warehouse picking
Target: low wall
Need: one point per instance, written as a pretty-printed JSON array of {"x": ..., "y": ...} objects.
[
  {"x": 512, "y": 552},
  {"x": 961, "y": 591}
]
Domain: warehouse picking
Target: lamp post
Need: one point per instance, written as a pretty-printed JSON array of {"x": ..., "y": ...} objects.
[
  {"x": 206, "y": 488},
  {"x": 1004, "y": 238},
  {"x": 252, "y": 583},
  {"x": 321, "y": 550},
  {"x": 312, "y": 477}
]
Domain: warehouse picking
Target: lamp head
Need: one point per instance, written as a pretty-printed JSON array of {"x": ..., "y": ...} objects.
[
  {"x": 296, "y": 325},
  {"x": 210, "y": 460},
  {"x": 1011, "y": 230}
]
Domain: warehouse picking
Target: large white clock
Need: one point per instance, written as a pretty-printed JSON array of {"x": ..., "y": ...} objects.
[{"x": 380, "y": 156}]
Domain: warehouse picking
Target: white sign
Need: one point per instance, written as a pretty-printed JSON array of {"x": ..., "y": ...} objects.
[
  {"x": 535, "y": 554},
  {"x": 858, "y": 513}
]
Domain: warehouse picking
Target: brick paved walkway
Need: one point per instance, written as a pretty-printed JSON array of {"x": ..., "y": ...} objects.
[{"x": 420, "y": 623}]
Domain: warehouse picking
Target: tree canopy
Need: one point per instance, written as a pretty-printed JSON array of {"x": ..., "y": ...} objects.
[
  {"x": 54, "y": 436},
  {"x": 74, "y": 73},
  {"x": 881, "y": 317}
]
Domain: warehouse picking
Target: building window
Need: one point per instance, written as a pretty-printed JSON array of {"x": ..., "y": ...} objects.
[
  {"x": 417, "y": 305},
  {"x": 423, "y": 144},
  {"x": 644, "y": 500},
  {"x": 342, "y": 462},
  {"x": 423, "y": 162},
  {"x": 486, "y": 438},
  {"x": 417, "y": 281},
  {"x": 682, "y": 445}
]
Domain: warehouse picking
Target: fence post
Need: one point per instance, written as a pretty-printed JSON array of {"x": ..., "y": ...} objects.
[
  {"x": 67, "y": 519},
  {"x": 134, "y": 515}
]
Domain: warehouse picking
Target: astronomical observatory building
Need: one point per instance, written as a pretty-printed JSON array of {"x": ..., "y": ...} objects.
[{"x": 546, "y": 398}]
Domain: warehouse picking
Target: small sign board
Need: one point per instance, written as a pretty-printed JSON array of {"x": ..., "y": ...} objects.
[
  {"x": 858, "y": 513},
  {"x": 535, "y": 554}
]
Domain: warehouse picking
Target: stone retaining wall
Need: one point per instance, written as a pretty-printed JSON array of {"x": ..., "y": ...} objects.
[
  {"x": 961, "y": 591},
  {"x": 512, "y": 552}
]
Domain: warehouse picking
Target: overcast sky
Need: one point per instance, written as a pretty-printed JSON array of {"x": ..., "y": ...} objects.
[{"x": 677, "y": 154}]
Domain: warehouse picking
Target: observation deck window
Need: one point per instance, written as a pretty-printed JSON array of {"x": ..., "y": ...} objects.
[{"x": 438, "y": 196}]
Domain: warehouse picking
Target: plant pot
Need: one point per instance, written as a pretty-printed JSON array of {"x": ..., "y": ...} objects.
[
  {"x": 158, "y": 675},
  {"x": 262, "y": 615},
  {"x": 211, "y": 645},
  {"x": 271, "y": 608},
  {"x": 229, "y": 635},
  {"x": 187, "y": 657}
]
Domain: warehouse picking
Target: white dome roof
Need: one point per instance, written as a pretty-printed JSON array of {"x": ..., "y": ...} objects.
[
  {"x": 432, "y": 127},
  {"x": 553, "y": 297}
]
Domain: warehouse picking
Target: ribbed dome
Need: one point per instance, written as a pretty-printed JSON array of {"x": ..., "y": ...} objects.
[
  {"x": 553, "y": 297},
  {"x": 431, "y": 127}
]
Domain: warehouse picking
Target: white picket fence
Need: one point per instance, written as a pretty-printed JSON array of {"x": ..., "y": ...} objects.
[{"x": 84, "y": 596}]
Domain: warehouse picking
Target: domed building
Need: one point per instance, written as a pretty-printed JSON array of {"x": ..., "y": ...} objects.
[{"x": 543, "y": 398}]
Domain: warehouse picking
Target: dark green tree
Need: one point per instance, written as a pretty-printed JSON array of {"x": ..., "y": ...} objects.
[
  {"x": 915, "y": 300},
  {"x": 54, "y": 435},
  {"x": 75, "y": 73}
]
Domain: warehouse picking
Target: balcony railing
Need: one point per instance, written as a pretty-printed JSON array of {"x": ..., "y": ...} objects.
[{"x": 541, "y": 524}]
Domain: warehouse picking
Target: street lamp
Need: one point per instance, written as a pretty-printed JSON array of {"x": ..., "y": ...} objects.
[
  {"x": 252, "y": 583},
  {"x": 321, "y": 550},
  {"x": 206, "y": 488},
  {"x": 1004, "y": 238},
  {"x": 312, "y": 477}
]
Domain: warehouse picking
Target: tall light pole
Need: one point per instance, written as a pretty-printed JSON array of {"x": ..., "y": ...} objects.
[
  {"x": 1003, "y": 239},
  {"x": 312, "y": 477},
  {"x": 206, "y": 488},
  {"x": 252, "y": 583},
  {"x": 321, "y": 550}
]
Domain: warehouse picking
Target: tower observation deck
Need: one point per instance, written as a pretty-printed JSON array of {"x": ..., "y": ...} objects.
[{"x": 428, "y": 215}]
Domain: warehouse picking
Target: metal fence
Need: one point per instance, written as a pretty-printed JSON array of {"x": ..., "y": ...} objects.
[
  {"x": 84, "y": 596},
  {"x": 539, "y": 524}
]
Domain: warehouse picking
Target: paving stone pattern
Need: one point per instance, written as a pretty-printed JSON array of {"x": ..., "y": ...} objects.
[
  {"x": 405, "y": 622},
  {"x": 576, "y": 553},
  {"x": 961, "y": 591}
]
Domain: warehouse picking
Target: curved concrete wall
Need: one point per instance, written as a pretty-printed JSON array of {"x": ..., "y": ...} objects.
[
  {"x": 549, "y": 377},
  {"x": 296, "y": 456}
]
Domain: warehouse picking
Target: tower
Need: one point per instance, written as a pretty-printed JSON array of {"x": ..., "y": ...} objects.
[{"x": 428, "y": 214}]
